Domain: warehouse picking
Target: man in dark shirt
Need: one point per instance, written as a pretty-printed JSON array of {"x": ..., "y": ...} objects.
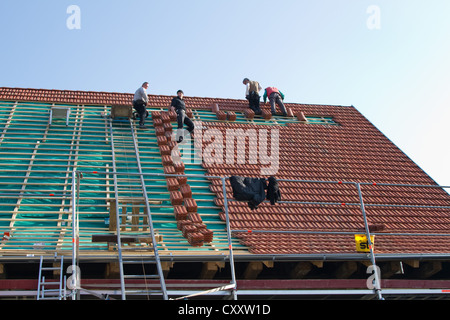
[{"x": 179, "y": 107}]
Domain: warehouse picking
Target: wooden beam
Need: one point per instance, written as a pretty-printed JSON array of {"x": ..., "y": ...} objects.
[
  {"x": 166, "y": 266},
  {"x": 253, "y": 269},
  {"x": 133, "y": 200},
  {"x": 76, "y": 133},
  {"x": 412, "y": 263},
  {"x": 106, "y": 126},
  {"x": 56, "y": 272},
  {"x": 145, "y": 220},
  {"x": 390, "y": 268},
  {"x": 8, "y": 122},
  {"x": 113, "y": 238},
  {"x": 112, "y": 216},
  {"x": 209, "y": 269},
  {"x": 346, "y": 269},
  {"x": 135, "y": 218},
  {"x": 301, "y": 269},
  {"x": 429, "y": 269},
  {"x": 123, "y": 214},
  {"x": 112, "y": 270}
]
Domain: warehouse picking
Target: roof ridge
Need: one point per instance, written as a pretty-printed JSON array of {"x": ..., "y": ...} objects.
[
  {"x": 125, "y": 95},
  {"x": 63, "y": 90}
]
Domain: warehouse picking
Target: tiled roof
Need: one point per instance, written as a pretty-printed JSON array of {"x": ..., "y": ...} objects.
[
  {"x": 102, "y": 98},
  {"x": 353, "y": 151}
]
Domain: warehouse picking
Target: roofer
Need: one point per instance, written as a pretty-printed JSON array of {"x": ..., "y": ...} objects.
[
  {"x": 275, "y": 96},
  {"x": 140, "y": 101},
  {"x": 179, "y": 107},
  {"x": 252, "y": 94}
]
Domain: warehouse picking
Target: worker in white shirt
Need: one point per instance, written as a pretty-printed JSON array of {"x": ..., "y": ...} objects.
[{"x": 140, "y": 102}]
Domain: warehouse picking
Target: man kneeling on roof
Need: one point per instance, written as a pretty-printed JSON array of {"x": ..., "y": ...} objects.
[
  {"x": 140, "y": 101},
  {"x": 179, "y": 107},
  {"x": 275, "y": 96},
  {"x": 252, "y": 94}
]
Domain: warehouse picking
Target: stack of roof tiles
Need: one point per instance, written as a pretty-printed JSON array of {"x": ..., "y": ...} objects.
[
  {"x": 352, "y": 151},
  {"x": 188, "y": 220}
]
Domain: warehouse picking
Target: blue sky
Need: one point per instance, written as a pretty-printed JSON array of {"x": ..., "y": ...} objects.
[{"x": 319, "y": 52}]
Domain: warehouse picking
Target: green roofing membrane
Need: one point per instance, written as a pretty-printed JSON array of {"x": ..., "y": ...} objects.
[
  {"x": 209, "y": 116},
  {"x": 36, "y": 164}
]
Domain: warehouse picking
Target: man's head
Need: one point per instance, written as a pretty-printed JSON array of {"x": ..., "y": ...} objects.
[
  {"x": 180, "y": 93},
  {"x": 245, "y": 81},
  {"x": 145, "y": 85}
]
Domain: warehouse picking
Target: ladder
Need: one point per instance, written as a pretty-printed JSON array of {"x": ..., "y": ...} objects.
[
  {"x": 131, "y": 189},
  {"x": 44, "y": 293}
]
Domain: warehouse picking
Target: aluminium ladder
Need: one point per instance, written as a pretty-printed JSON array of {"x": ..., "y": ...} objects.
[
  {"x": 129, "y": 188},
  {"x": 43, "y": 292}
]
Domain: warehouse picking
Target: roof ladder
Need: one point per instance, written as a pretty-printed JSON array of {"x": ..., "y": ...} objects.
[
  {"x": 44, "y": 293},
  {"x": 135, "y": 232}
]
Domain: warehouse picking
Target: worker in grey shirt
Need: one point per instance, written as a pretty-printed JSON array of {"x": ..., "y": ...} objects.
[{"x": 140, "y": 101}]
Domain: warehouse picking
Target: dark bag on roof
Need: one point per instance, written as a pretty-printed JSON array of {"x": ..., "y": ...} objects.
[
  {"x": 273, "y": 191},
  {"x": 251, "y": 190}
]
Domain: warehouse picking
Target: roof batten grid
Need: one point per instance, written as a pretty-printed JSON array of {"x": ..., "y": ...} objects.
[{"x": 69, "y": 158}]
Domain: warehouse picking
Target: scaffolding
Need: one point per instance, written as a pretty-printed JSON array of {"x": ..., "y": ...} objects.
[
  {"x": 371, "y": 256},
  {"x": 228, "y": 251}
]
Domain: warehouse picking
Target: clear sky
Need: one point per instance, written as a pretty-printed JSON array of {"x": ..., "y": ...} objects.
[{"x": 388, "y": 58}]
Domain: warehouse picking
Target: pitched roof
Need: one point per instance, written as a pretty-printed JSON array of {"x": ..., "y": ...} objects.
[{"x": 352, "y": 151}]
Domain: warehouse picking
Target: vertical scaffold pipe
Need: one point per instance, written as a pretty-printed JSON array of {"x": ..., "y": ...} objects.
[
  {"x": 233, "y": 274},
  {"x": 377, "y": 286},
  {"x": 75, "y": 241}
]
